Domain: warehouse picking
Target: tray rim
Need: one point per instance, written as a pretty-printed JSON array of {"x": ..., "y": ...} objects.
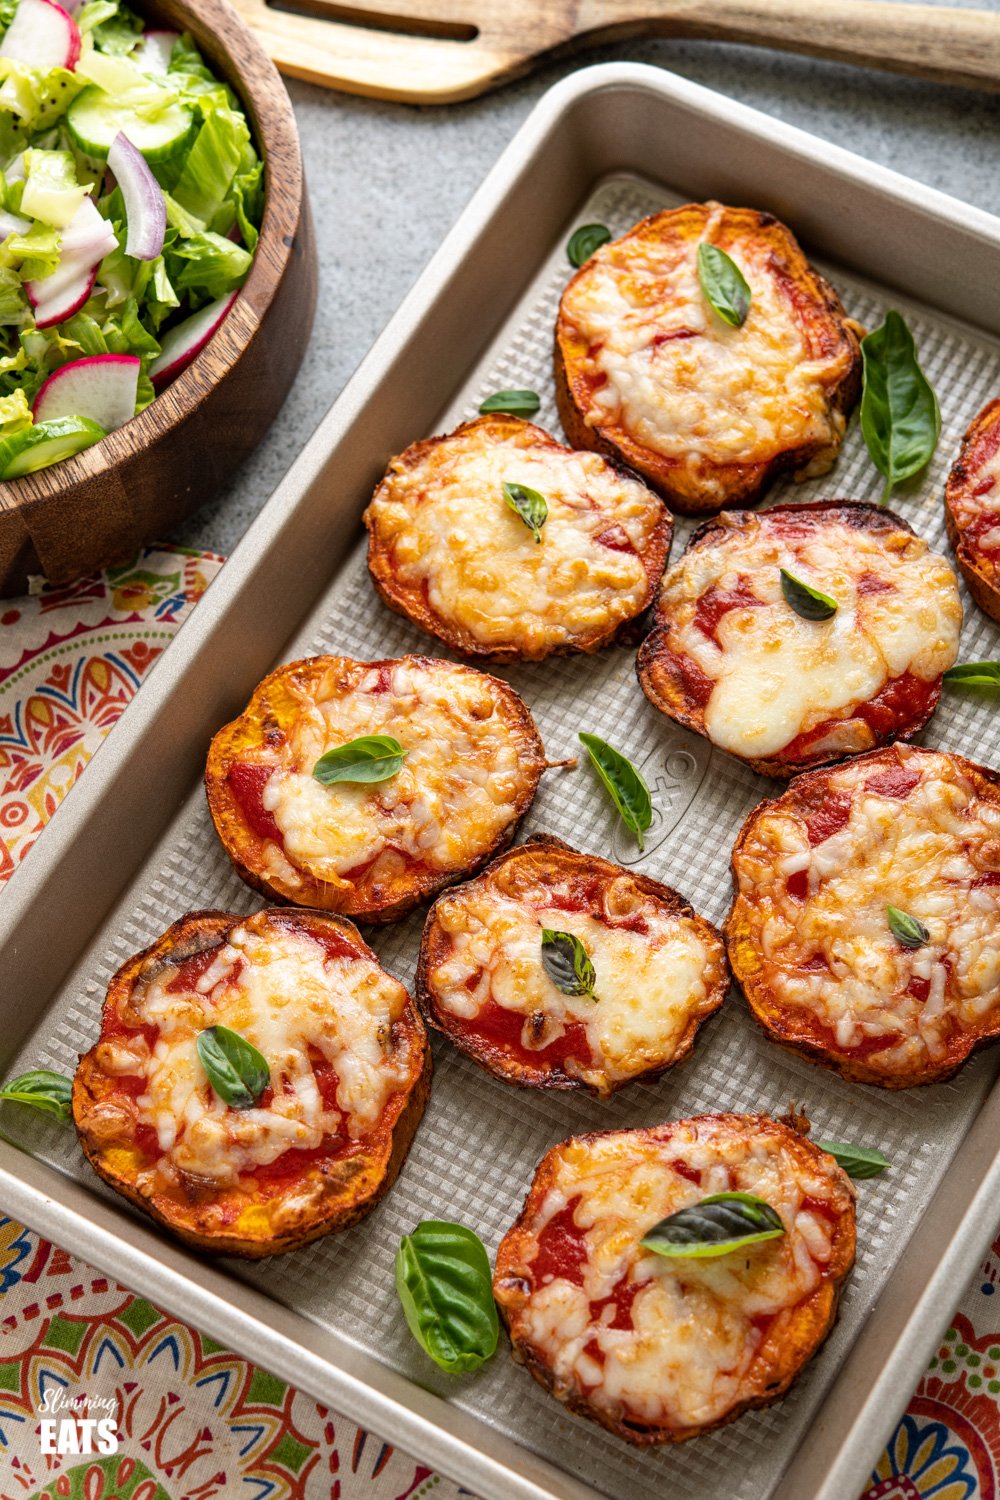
[{"x": 456, "y": 1442}]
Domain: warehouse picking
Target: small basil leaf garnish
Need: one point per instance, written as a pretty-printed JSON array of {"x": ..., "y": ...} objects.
[
  {"x": 857, "y": 1161},
  {"x": 527, "y": 503},
  {"x": 585, "y": 240},
  {"x": 715, "y": 1226},
  {"x": 238, "y": 1073},
  {"x": 974, "y": 674},
  {"x": 512, "y": 403},
  {"x": 373, "y": 757},
  {"x": 906, "y": 929},
  {"x": 900, "y": 418},
  {"x": 443, "y": 1282},
  {"x": 724, "y": 285},
  {"x": 806, "y": 601},
  {"x": 629, "y": 792},
  {"x": 42, "y": 1089},
  {"x": 567, "y": 963}
]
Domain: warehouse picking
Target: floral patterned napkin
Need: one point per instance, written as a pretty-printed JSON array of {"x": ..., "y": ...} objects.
[{"x": 192, "y": 1421}]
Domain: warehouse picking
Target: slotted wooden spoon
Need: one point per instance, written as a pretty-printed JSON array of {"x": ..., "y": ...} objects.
[{"x": 437, "y": 51}]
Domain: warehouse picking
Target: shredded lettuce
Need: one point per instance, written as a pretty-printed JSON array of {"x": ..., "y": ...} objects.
[
  {"x": 187, "y": 60},
  {"x": 212, "y": 164},
  {"x": 184, "y": 223},
  {"x": 51, "y": 192},
  {"x": 13, "y": 363},
  {"x": 15, "y": 414},
  {"x": 114, "y": 27},
  {"x": 34, "y": 99},
  {"x": 248, "y": 199},
  {"x": 209, "y": 266},
  {"x": 34, "y": 254},
  {"x": 13, "y": 302}
]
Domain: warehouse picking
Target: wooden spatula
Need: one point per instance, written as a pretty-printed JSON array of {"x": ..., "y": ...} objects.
[{"x": 437, "y": 51}]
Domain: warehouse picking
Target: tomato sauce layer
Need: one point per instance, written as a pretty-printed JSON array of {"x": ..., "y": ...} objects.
[
  {"x": 504, "y": 1029},
  {"x": 247, "y": 783}
]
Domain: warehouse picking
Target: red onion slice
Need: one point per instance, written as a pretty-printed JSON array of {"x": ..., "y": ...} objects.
[{"x": 145, "y": 210}]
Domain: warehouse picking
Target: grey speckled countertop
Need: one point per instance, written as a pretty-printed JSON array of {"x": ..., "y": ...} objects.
[{"x": 387, "y": 181}]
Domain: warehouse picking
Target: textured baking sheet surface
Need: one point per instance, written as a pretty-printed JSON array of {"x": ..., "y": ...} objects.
[{"x": 480, "y": 1141}]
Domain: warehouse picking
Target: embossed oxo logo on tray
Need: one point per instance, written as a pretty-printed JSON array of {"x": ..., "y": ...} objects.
[{"x": 674, "y": 769}]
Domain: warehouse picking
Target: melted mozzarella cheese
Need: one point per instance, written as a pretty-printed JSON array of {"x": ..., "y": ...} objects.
[
  {"x": 679, "y": 380},
  {"x": 649, "y": 984},
  {"x": 927, "y": 854},
  {"x": 458, "y": 788},
  {"x": 282, "y": 992},
  {"x": 448, "y": 530},
  {"x": 775, "y": 675},
  {"x": 692, "y": 1341}
]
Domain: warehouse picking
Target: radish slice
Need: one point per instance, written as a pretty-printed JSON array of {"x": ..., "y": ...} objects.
[
  {"x": 42, "y": 35},
  {"x": 12, "y": 224},
  {"x": 145, "y": 210},
  {"x": 88, "y": 235},
  {"x": 63, "y": 293},
  {"x": 101, "y": 388},
  {"x": 154, "y": 50},
  {"x": 86, "y": 240},
  {"x": 187, "y": 339}
]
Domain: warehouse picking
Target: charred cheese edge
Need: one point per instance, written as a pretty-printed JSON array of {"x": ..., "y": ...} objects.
[
  {"x": 731, "y": 659},
  {"x": 660, "y": 968},
  {"x": 346, "y": 1052},
  {"x": 808, "y": 935},
  {"x": 708, "y": 413},
  {"x": 372, "y": 850},
  {"x": 659, "y": 1350},
  {"x": 972, "y": 508},
  {"x": 448, "y": 552}
]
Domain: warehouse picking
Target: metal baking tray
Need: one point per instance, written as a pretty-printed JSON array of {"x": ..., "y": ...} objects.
[{"x": 133, "y": 846}]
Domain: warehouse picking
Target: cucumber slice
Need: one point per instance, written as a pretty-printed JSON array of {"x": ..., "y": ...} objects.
[
  {"x": 46, "y": 443},
  {"x": 95, "y": 118}
]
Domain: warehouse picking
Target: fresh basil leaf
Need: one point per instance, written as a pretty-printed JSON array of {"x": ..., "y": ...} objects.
[
  {"x": 373, "y": 757},
  {"x": 724, "y": 285},
  {"x": 567, "y": 963},
  {"x": 238, "y": 1073},
  {"x": 585, "y": 240},
  {"x": 906, "y": 929},
  {"x": 715, "y": 1226},
  {"x": 805, "y": 600},
  {"x": 857, "y": 1161},
  {"x": 900, "y": 418},
  {"x": 974, "y": 674},
  {"x": 629, "y": 792},
  {"x": 443, "y": 1281},
  {"x": 527, "y": 503},
  {"x": 42, "y": 1089},
  {"x": 513, "y": 403}
]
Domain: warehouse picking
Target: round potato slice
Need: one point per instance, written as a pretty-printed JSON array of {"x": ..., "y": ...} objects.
[
  {"x": 972, "y": 509},
  {"x": 348, "y": 1075},
  {"x": 648, "y": 372},
  {"x": 659, "y": 1349},
  {"x": 784, "y": 682},
  {"x": 446, "y": 549},
  {"x": 371, "y": 849},
  {"x": 483, "y": 980},
  {"x": 864, "y": 926}
]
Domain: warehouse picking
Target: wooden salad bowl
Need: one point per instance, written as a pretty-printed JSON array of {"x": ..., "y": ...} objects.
[{"x": 136, "y": 484}]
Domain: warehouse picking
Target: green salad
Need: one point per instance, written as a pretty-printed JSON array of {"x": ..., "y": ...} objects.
[{"x": 131, "y": 195}]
